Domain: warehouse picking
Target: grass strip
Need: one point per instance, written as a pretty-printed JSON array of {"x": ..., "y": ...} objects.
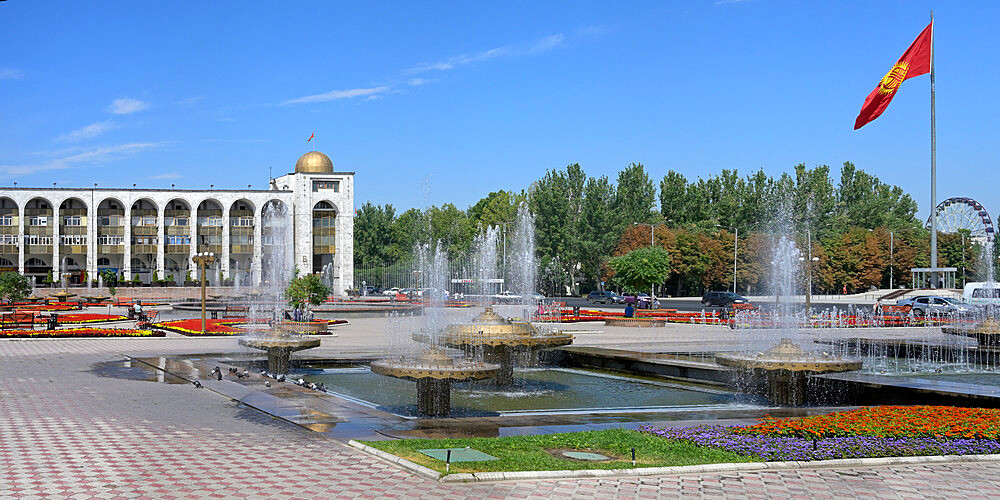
[{"x": 543, "y": 452}]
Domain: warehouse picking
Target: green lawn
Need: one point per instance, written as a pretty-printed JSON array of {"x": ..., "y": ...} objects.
[{"x": 519, "y": 453}]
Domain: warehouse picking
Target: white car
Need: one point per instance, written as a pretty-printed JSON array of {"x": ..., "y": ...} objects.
[{"x": 391, "y": 292}]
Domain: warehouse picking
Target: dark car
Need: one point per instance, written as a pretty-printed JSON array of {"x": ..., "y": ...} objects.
[
  {"x": 723, "y": 299},
  {"x": 604, "y": 297}
]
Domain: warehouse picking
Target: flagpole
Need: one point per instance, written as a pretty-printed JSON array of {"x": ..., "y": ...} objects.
[{"x": 934, "y": 259}]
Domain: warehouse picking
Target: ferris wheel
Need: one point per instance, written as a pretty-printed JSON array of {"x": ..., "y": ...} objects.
[{"x": 964, "y": 213}]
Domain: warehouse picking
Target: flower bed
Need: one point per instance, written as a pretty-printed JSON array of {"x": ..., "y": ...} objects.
[
  {"x": 219, "y": 327},
  {"x": 777, "y": 448},
  {"x": 52, "y": 306},
  {"x": 866, "y": 432},
  {"x": 888, "y": 421},
  {"x": 79, "y": 332},
  {"x": 78, "y": 318}
]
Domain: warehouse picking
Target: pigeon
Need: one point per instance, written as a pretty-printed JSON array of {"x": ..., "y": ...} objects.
[
  {"x": 267, "y": 384},
  {"x": 216, "y": 370},
  {"x": 218, "y": 375},
  {"x": 281, "y": 378},
  {"x": 246, "y": 373},
  {"x": 197, "y": 384},
  {"x": 264, "y": 373},
  {"x": 300, "y": 382},
  {"x": 239, "y": 375}
]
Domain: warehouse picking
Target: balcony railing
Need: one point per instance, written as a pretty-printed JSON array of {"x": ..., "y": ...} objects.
[{"x": 177, "y": 249}]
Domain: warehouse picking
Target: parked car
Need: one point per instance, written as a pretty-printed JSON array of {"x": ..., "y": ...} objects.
[
  {"x": 722, "y": 299},
  {"x": 370, "y": 290},
  {"x": 604, "y": 297},
  {"x": 640, "y": 300},
  {"x": 942, "y": 306},
  {"x": 392, "y": 292}
]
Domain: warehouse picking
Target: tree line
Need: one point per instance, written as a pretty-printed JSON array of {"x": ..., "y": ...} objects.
[{"x": 583, "y": 221}]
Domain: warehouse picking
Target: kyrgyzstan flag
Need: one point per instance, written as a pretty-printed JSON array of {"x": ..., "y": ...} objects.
[{"x": 915, "y": 62}]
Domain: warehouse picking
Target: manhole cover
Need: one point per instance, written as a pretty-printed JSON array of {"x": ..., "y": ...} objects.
[
  {"x": 458, "y": 454},
  {"x": 583, "y": 455}
]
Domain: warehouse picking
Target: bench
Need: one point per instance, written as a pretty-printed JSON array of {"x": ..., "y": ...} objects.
[
  {"x": 147, "y": 319},
  {"x": 17, "y": 318},
  {"x": 236, "y": 311}
]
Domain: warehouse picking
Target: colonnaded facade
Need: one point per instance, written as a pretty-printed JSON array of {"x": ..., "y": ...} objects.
[{"x": 136, "y": 232}]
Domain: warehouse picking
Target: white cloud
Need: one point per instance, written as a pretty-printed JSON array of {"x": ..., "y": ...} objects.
[
  {"x": 171, "y": 175},
  {"x": 11, "y": 74},
  {"x": 339, "y": 94},
  {"x": 89, "y": 132},
  {"x": 544, "y": 45},
  {"x": 723, "y": 2},
  {"x": 93, "y": 156},
  {"x": 127, "y": 105},
  {"x": 416, "y": 81}
]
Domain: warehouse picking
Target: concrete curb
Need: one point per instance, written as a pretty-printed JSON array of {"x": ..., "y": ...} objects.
[
  {"x": 402, "y": 462},
  {"x": 466, "y": 477}
]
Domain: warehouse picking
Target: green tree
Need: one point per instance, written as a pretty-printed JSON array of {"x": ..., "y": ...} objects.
[
  {"x": 14, "y": 286},
  {"x": 110, "y": 279},
  {"x": 634, "y": 195},
  {"x": 641, "y": 268},
  {"x": 307, "y": 289},
  {"x": 373, "y": 236},
  {"x": 597, "y": 226},
  {"x": 556, "y": 200}
]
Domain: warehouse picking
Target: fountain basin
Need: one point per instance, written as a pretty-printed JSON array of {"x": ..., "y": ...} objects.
[
  {"x": 300, "y": 326},
  {"x": 434, "y": 372},
  {"x": 986, "y": 332},
  {"x": 279, "y": 349},
  {"x": 781, "y": 373},
  {"x": 501, "y": 339}
]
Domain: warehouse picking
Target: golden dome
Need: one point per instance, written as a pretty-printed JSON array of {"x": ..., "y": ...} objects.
[{"x": 314, "y": 162}]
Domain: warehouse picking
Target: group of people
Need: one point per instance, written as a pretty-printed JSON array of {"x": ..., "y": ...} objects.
[{"x": 299, "y": 314}]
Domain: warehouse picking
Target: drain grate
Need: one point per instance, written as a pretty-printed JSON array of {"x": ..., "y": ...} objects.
[
  {"x": 458, "y": 454},
  {"x": 583, "y": 455}
]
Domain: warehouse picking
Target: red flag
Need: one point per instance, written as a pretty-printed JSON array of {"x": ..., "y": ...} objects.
[
  {"x": 311, "y": 137},
  {"x": 914, "y": 62}
]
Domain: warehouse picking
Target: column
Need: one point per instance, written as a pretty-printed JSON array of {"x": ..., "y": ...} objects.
[
  {"x": 224, "y": 262},
  {"x": 127, "y": 255},
  {"x": 160, "y": 241},
  {"x": 193, "y": 247},
  {"x": 20, "y": 238},
  {"x": 258, "y": 242},
  {"x": 92, "y": 221},
  {"x": 55, "y": 243}
]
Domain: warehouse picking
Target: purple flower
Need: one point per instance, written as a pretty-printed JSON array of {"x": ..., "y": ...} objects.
[{"x": 772, "y": 448}]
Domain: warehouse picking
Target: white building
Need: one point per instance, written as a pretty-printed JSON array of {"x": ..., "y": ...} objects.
[{"x": 136, "y": 232}]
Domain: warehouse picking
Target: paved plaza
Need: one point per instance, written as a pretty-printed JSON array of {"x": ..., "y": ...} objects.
[{"x": 66, "y": 431}]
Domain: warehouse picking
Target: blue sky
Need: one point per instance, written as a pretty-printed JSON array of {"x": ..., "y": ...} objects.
[{"x": 444, "y": 102}]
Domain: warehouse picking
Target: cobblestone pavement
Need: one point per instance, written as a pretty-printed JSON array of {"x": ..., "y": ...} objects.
[{"x": 66, "y": 432}]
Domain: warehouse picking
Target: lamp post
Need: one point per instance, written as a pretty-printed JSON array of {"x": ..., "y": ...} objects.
[
  {"x": 736, "y": 247},
  {"x": 203, "y": 259}
]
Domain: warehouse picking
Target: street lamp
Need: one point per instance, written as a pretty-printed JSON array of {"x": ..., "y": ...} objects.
[
  {"x": 809, "y": 260},
  {"x": 736, "y": 247},
  {"x": 809, "y": 279},
  {"x": 203, "y": 259}
]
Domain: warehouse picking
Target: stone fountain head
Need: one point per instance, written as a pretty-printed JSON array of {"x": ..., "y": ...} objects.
[
  {"x": 780, "y": 372},
  {"x": 434, "y": 371},
  {"x": 500, "y": 339},
  {"x": 279, "y": 343}
]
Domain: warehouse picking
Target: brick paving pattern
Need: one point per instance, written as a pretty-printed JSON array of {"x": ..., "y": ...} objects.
[{"x": 66, "y": 432}]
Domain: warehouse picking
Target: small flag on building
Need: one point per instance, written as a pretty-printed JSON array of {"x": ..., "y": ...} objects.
[
  {"x": 311, "y": 137},
  {"x": 914, "y": 62}
]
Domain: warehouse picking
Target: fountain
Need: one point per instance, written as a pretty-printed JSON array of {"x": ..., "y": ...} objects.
[
  {"x": 781, "y": 373},
  {"x": 278, "y": 338},
  {"x": 501, "y": 340},
  {"x": 434, "y": 371}
]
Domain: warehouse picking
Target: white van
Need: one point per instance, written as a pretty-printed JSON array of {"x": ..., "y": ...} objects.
[{"x": 982, "y": 293}]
